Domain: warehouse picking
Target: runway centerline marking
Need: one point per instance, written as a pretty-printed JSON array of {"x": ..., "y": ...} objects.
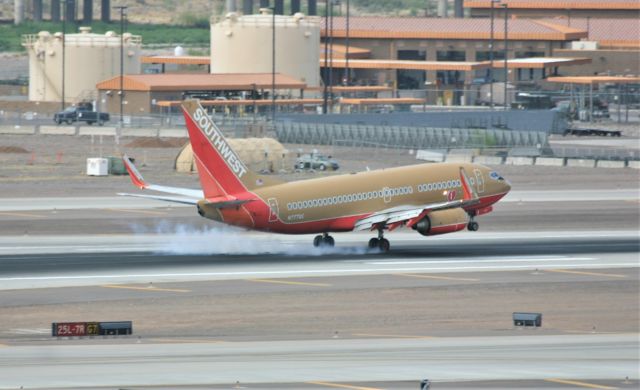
[
  {"x": 14, "y": 214},
  {"x": 392, "y": 336},
  {"x": 580, "y": 384},
  {"x": 151, "y": 289},
  {"x": 138, "y": 211},
  {"x": 342, "y": 386},
  {"x": 566, "y": 271},
  {"x": 288, "y": 282},
  {"x": 421, "y": 276}
]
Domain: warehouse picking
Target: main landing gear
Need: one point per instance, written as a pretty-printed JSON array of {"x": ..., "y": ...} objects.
[
  {"x": 379, "y": 242},
  {"x": 324, "y": 240},
  {"x": 473, "y": 226}
]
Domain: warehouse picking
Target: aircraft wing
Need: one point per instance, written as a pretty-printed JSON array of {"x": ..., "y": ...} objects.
[
  {"x": 186, "y": 195},
  {"x": 411, "y": 214}
]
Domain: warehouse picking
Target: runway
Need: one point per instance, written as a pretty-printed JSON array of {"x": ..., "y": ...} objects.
[
  {"x": 440, "y": 359},
  {"x": 91, "y": 260},
  {"x": 212, "y": 306}
]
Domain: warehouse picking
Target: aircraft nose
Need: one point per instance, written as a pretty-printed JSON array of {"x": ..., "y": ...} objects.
[{"x": 506, "y": 185}]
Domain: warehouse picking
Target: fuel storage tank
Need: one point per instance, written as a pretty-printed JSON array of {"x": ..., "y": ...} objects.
[
  {"x": 244, "y": 44},
  {"x": 88, "y": 59}
]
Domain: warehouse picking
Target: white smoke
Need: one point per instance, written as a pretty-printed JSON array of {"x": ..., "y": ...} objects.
[{"x": 183, "y": 239}]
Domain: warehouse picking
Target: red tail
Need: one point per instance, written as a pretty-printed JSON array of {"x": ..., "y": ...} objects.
[{"x": 220, "y": 168}]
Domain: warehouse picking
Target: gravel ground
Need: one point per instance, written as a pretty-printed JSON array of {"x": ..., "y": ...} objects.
[{"x": 56, "y": 166}]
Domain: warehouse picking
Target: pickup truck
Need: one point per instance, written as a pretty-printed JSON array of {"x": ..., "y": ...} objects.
[{"x": 80, "y": 114}]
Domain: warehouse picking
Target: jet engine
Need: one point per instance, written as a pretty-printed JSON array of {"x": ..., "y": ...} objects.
[
  {"x": 208, "y": 211},
  {"x": 442, "y": 221}
]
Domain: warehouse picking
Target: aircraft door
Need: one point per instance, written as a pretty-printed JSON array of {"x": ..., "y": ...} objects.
[
  {"x": 273, "y": 209},
  {"x": 479, "y": 180}
]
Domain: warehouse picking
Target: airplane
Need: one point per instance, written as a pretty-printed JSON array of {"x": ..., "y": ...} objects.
[{"x": 431, "y": 198}]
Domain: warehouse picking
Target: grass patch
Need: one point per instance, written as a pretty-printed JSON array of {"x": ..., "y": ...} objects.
[{"x": 10, "y": 35}]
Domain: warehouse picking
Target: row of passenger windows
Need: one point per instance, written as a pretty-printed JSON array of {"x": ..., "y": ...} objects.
[
  {"x": 385, "y": 193},
  {"x": 441, "y": 185}
]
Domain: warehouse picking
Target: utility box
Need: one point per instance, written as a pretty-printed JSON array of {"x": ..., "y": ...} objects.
[
  {"x": 527, "y": 319},
  {"x": 97, "y": 167},
  {"x": 116, "y": 166}
]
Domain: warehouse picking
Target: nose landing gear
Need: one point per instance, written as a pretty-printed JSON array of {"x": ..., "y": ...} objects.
[{"x": 324, "y": 240}]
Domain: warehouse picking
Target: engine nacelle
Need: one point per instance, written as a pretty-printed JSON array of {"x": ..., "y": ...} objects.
[
  {"x": 442, "y": 221},
  {"x": 207, "y": 211}
]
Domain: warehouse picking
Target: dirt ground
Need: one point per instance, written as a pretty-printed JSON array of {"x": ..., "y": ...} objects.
[
  {"x": 425, "y": 308},
  {"x": 56, "y": 166}
]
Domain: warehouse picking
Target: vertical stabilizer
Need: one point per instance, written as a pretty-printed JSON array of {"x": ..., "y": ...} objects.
[{"x": 219, "y": 166}]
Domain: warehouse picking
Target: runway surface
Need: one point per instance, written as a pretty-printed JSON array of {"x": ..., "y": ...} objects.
[
  {"x": 580, "y": 357},
  {"x": 90, "y": 260}
]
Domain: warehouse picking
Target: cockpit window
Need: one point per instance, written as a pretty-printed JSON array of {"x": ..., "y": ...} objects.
[{"x": 496, "y": 176}]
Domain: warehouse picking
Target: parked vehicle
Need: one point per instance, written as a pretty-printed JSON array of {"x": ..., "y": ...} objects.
[
  {"x": 81, "y": 113},
  {"x": 316, "y": 161}
]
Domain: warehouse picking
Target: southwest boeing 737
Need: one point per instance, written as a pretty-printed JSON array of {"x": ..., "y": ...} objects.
[{"x": 431, "y": 199}]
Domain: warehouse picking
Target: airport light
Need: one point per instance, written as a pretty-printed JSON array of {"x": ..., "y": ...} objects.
[
  {"x": 506, "y": 54},
  {"x": 122, "y": 9}
]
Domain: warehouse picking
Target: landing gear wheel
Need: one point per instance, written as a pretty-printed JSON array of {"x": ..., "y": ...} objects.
[
  {"x": 328, "y": 241},
  {"x": 324, "y": 240},
  {"x": 384, "y": 245},
  {"x": 473, "y": 226},
  {"x": 373, "y": 243}
]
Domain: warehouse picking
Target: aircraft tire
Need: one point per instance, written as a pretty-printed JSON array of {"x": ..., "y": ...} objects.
[
  {"x": 317, "y": 241},
  {"x": 328, "y": 241},
  {"x": 384, "y": 245},
  {"x": 373, "y": 243},
  {"x": 473, "y": 226}
]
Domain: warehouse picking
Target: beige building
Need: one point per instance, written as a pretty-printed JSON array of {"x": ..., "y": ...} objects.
[
  {"x": 88, "y": 59},
  {"x": 144, "y": 92}
]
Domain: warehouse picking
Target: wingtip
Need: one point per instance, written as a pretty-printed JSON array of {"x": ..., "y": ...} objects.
[{"x": 136, "y": 177}]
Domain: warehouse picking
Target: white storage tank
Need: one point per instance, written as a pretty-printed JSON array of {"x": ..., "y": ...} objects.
[
  {"x": 243, "y": 44},
  {"x": 89, "y": 59}
]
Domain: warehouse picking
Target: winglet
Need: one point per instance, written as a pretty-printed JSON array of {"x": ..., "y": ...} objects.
[
  {"x": 469, "y": 193},
  {"x": 135, "y": 176}
]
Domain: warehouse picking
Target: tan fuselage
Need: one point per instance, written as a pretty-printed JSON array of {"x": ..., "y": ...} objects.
[{"x": 358, "y": 194}]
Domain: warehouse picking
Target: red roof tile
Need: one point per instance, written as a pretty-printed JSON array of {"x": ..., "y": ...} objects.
[
  {"x": 625, "y": 32},
  {"x": 559, "y": 4},
  {"x": 449, "y": 28},
  {"x": 200, "y": 82}
]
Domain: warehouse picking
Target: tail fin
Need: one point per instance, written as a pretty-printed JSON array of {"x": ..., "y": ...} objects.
[{"x": 220, "y": 168}]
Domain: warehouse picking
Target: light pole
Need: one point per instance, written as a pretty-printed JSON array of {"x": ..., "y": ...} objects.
[
  {"x": 506, "y": 52},
  {"x": 326, "y": 57},
  {"x": 330, "y": 5},
  {"x": 273, "y": 64},
  {"x": 491, "y": 59},
  {"x": 64, "y": 38},
  {"x": 121, "y": 8},
  {"x": 346, "y": 67}
]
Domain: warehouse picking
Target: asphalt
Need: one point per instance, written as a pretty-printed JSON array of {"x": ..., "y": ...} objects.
[{"x": 445, "y": 359}]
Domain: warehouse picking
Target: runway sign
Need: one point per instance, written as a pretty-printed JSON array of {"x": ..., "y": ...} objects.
[{"x": 83, "y": 329}]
